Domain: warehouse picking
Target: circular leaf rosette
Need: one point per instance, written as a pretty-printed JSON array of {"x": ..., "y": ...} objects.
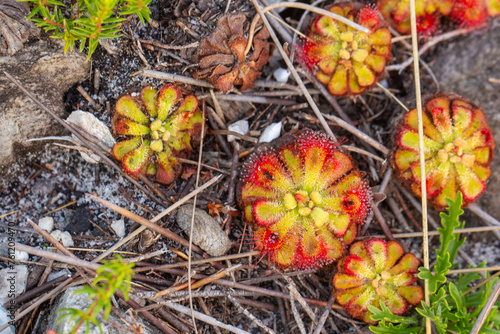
[
  {"x": 473, "y": 13},
  {"x": 157, "y": 127},
  {"x": 349, "y": 61},
  {"x": 458, "y": 150},
  {"x": 305, "y": 200},
  {"x": 428, "y": 14},
  {"x": 375, "y": 272}
]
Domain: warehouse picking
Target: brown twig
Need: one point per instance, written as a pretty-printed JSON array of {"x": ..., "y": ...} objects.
[
  {"x": 381, "y": 222},
  {"x": 236, "y": 134},
  {"x": 71, "y": 258},
  {"x": 197, "y": 262},
  {"x": 352, "y": 129},
  {"x": 325, "y": 314},
  {"x": 220, "y": 138},
  {"x": 282, "y": 311},
  {"x": 296, "y": 315},
  {"x": 249, "y": 315},
  {"x": 57, "y": 257},
  {"x": 205, "y": 318},
  {"x": 191, "y": 162},
  {"x": 486, "y": 309},
  {"x": 170, "y": 318},
  {"x": 405, "y": 208}
]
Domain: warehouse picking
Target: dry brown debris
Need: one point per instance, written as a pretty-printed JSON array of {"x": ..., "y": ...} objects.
[{"x": 221, "y": 55}]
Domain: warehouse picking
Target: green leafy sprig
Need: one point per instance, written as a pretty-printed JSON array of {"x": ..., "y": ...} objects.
[
  {"x": 454, "y": 307},
  {"x": 85, "y": 21},
  {"x": 111, "y": 277},
  {"x": 449, "y": 245}
]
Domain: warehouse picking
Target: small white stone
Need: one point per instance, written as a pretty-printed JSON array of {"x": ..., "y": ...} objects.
[
  {"x": 281, "y": 74},
  {"x": 240, "y": 127},
  {"x": 94, "y": 127},
  {"x": 272, "y": 132},
  {"x": 46, "y": 223},
  {"x": 63, "y": 237},
  {"x": 119, "y": 227},
  {"x": 21, "y": 255},
  {"x": 384, "y": 83}
]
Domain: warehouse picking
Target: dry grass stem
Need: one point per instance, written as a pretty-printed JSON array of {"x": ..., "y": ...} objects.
[
  {"x": 190, "y": 246},
  {"x": 60, "y": 208},
  {"x": 287, "y": 25},
  {"x": 57, "y": 257},
  {"x": 94, "y": 250},
  {"x": 473, "y": 270},
  {"x": 8, "y": 214},
  {"x": 295, "y": 293},
  {"x": 423, "y": 182},
  {"x": 488, "y": 219},
  {"x": 432, "y": 41},
  {"x": 217, "y": 107},
  {"x": 480, "y": 284},
  {"x": 191, "y": 162},
  {"x": 392, "y": 96},
  {"x": 486, "y": 309},
  {"x": 352, "y": 129},
  {"x": 364, "y": 152},
  {"x": 197, "y": 262}
]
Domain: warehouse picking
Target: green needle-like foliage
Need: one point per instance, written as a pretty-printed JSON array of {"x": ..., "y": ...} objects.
[
  {"x": 85, "y": 21},
  {"x": 111, "y": 277}
]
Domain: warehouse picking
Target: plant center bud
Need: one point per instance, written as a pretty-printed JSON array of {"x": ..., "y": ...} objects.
[
  {"x": 157, "y": 145},
  {"x": 155, "y": 125}
]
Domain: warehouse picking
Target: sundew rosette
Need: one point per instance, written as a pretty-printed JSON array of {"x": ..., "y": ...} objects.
[
  {"x": 156, "y": 127},
  {"x": 458, "y": 150},
  {"x": 347, "y": 61},
  {"x": 474, "y": 13},
  {"x": 305, "y": 200},
  {"x": 428, "y": 14},
  {"x": 374, "y": 272}
]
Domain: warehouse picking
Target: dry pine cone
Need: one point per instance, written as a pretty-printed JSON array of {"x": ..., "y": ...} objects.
[{"x": 221, "y": 55}]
